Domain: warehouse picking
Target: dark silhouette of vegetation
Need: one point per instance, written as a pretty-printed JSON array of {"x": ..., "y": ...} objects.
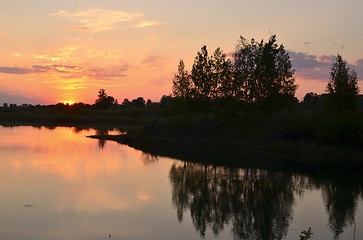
[
  {"x": 103, "y": 101},
  {"x": 261, "y": 74},
  {"x": 306, "y": 234},
  {"x": 343, "y": 86}
]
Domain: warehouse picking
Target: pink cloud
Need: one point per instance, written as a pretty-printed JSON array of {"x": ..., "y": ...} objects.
[
  {"x": 312, "y": 67},
  {"x": 328, "y": 59}
]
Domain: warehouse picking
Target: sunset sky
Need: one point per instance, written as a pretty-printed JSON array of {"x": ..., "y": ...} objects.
[{"x": 67, "y": 50}]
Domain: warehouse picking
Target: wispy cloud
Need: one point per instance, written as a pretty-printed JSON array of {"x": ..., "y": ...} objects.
[
  {"x": 2, "y": 34},
  {"x": 76, "y": 28},
  {"x": 15, "y": 70},
  {"x": 148, "y": 24},
  {"x": 109, "y": 73},
  {"x": 97, "y": 20}
]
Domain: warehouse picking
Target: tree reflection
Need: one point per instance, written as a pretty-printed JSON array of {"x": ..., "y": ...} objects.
[
  {"x": 341, "y": 196},
  {"x": 257, "y": 203},
  {"x": 101, "y": 141},
  {"x": 149, "y": 158}
]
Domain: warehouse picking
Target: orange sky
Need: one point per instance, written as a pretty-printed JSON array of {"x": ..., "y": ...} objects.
[{"x": 66, "y": 51}]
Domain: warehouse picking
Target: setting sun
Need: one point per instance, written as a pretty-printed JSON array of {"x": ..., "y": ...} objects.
[{"x": 69, "y": 102}]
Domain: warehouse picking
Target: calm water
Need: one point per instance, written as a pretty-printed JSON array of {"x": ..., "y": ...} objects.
[{"x": 59, "y": 184}]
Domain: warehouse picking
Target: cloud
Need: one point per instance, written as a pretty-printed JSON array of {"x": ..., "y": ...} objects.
[
  {"x": 148, "y": 24},
  {"x": 76, "y": 28},
  {"x": 307, "y": 43},
  {"x": 15, "y": 70},
  {"x": 309, "y": 66},
  {"x": 359, "y": 62},
  {"x": 312, "y": 67},
  {"x": 97, "y": 20},
  {"x": 17, "y": 99},
  {"x": 73, "y": 77},
  {"x": 3, "y": 34}
]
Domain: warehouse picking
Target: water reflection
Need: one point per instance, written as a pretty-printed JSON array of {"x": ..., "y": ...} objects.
[
  {"x": 341, "y": 196},
  {"x": 64, "y": 185},
  {"x": 257, "y": 203}
]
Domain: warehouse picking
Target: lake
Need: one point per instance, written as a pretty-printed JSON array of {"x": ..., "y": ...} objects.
[{"x": 55, "y": 183}]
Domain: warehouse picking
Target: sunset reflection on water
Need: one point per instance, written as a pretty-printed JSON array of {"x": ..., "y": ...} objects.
[{"x": 60, "y": 172}]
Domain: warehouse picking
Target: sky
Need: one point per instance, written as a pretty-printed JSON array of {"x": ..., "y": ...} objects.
[{"x": 58, "y": 51}]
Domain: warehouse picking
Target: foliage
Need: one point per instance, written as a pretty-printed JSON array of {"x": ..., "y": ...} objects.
[
  {"x": 261, "y": 74},
  {"x": 343, "y": 86},
  {"x": 306, "y": 234},
  {"x": 139, "y": 102},
  {"x": 103, "y": 101},
  {"x": 263, "y": 71}
]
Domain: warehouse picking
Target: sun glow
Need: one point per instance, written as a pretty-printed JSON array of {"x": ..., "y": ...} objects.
[{"x": 70, "y": 103}]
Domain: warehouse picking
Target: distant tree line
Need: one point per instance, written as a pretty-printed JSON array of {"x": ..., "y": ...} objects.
[{"x": 104, "y": 102}]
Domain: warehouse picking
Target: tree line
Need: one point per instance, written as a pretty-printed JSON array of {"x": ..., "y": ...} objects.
[{"x": 258, "y": 73}]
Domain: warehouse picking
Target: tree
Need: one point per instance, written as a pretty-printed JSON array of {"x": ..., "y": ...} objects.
[
  {"x": 165, "y": 101},
  {"x": 126, "y": 103},
  {"x": 343, "y": 86},
  {"x": 312, "y": 101},
  {"x": 182, "y": 85},
  {"x": 221, "y": 79},
  {"x": 263, "y": 73},
  {"x": 103, "y": 101},
  {"x": 138, "y": 103},
  {"x": 102, "y": 95},
  {"x": 149, "y": 103},
  {"x": 202, "y": 74}
]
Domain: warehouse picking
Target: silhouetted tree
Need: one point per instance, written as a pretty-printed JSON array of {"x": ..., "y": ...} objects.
[
  {"x": 312, "y": 101},
  {"x": 149, "y": 103},
  {"x": 343, "y": 86},
  {"x": 102, "y": 95},
  {"x": 126, "y": 103},
  {"x": 165, "y": 101},
  {"x": 221, "y": 79},
  {"x": 202, "y": 75},
  {"x": 103, "y": 101},
  {"x": 264, "y": 73},
  {"x": 261, "y": 74},
  {"x": 182, "y": 85},
  {"x": 138, "y": 103}
]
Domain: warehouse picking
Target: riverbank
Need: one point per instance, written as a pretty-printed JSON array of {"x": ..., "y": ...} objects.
[
  {"x": 300, "y": 138},
  {"x": 222, "y": 148}
]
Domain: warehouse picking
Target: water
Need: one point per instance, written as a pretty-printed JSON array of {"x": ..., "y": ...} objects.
[{"x": 59, "y": 184}]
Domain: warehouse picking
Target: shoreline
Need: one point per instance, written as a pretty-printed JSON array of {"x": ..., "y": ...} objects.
[{"x": 302, "y": 157}]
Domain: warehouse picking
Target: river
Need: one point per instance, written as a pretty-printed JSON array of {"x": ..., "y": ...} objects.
[{"x": 55, "y": 183}]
